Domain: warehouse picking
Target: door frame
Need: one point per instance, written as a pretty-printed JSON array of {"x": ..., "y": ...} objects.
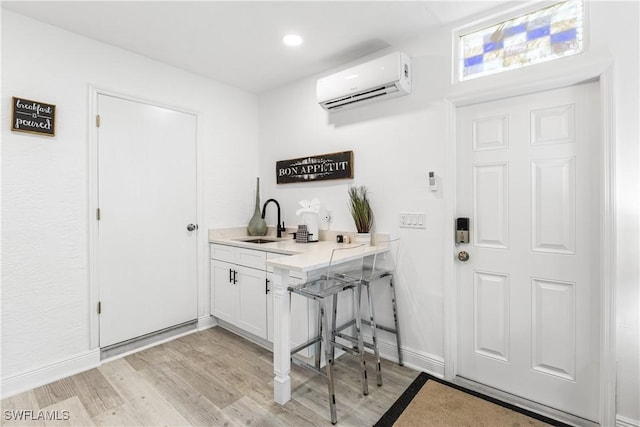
[
  {"x": 602, "y": 71},
  {"x": 92, "y": 223}
]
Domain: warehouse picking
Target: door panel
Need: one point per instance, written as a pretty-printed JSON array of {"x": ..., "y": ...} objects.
[
  {"x": 553, "y": 211},
  {"x": 147, "y": 259},
  {"x": 554, "y": 328},
  {"x": 528, "y": 295},
  {"x": 491, "y": 315},
  {"x": 491, "y": 205}
]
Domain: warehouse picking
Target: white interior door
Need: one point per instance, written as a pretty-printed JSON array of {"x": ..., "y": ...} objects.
[
  {"x": 147, "y": 259},
  {"x": 528, "y": 295}
]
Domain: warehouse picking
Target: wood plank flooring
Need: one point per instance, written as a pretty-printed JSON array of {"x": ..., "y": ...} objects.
[{"x": 208, "y": 378}]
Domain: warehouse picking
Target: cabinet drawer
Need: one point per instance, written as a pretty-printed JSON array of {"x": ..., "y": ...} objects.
[
  {"x": 240, "y": 256},
  {"x": 251, "y": 258},
  {"x": 223, "y": 253}
]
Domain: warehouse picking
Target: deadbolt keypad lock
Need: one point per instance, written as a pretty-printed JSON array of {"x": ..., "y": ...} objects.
[
  {"x": 462, "y": 236},
  {"x": 462, "y": 230}
]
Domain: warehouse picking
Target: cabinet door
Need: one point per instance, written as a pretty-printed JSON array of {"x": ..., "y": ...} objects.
[
  {"x": 252, "y": 302},
  {"x": 224, "y": 293}
]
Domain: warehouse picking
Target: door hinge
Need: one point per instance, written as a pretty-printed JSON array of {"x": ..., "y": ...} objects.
[
  {"x": 98, "y": 214},
  {"x": 97, "y": 120},
  {"x": 99, "y": 307}
]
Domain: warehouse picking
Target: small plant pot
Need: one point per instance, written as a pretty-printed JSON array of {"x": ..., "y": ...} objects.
[{"x": 363, "y": 238}]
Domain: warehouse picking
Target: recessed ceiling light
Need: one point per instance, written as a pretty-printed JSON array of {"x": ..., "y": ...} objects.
[{"x": 292, "y": 40}]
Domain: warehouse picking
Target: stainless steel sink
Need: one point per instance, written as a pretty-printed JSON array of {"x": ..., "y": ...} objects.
[{"x": 259, "y": 241}]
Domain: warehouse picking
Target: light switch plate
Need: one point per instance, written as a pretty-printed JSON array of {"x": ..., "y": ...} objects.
[{"x": 412, "y": 220}]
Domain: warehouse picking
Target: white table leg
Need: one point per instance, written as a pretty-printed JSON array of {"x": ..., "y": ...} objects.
[{"x": 281, "y": 337}]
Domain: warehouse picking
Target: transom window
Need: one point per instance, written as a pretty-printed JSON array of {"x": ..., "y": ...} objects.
[{"x": 542, "y": 35}]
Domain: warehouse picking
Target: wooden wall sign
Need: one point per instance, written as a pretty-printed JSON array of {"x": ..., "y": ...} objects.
[
  {"x": 315, "y": 168},
  {"x": 33, "y": 117}
]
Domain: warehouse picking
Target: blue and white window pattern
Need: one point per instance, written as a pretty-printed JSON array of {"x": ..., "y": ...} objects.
[{"x": 545, "y": 34}]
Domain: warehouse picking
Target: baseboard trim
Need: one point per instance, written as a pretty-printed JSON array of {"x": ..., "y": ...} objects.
[
  {"x": 206, "y": 322},
  {"x": 626, "y": 422},
  {"x": 28, "y": 380},
  {"x": 246, "y": 335},
  {"x": 412, "y": 358}
]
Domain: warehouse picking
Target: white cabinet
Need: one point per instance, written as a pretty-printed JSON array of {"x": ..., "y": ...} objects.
[
  {"x": 239, "y": 288},
  {"x": 241, "y": 294}
]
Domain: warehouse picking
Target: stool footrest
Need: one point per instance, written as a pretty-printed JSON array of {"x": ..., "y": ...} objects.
[
  {"x": 305, "y": 345},
  {"x": 345, "y": 348},
  {"x": 368, "y": 323},
  {"x": 345, "y": 325},
  {"x": 353, "y": 340},
  {"x": 381, "y": 327},
  {"x": 306, "y": 365}
]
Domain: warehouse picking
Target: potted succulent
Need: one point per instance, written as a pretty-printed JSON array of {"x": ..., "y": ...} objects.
[{"x": 361, "y": 212}]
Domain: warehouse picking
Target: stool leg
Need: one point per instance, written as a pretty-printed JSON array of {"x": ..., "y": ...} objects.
[
  {"x": 395, "y": 319},
  {"x": 326, "y": 335},
  {"x": 318, "y": 345},
  {"x": 333, "y": 325},
  {"x": 372, "y": 320},
  {"x": 361, "y": 351}
]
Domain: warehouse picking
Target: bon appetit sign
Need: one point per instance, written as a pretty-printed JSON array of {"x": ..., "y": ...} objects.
[
  {"x": 315, "y": 168},
  {"x": 33, "y": 117}
]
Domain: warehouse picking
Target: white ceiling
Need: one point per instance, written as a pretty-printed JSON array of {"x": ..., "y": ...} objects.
[{"x": 239, "y": 42}]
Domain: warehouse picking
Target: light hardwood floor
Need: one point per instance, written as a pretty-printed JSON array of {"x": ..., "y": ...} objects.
[{"x": 208, "y": 378}]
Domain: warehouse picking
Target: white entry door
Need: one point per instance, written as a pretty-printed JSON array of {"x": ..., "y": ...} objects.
[
  {"x": 147, "y": 259},
  {"x": 528, "y": 295}
]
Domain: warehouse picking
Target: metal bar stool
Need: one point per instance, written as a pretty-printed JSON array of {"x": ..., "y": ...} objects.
[
  {"x": 384, "y": 265},
  {"x": 320, "y": 289}
]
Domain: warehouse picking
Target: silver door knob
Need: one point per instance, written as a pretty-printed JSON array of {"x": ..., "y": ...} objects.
[
  {"x": 463, "y": 256},
  {"x": 192, "y": 227}
]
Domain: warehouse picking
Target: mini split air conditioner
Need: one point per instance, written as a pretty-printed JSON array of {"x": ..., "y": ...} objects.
[{"x": 383, "y": 78}]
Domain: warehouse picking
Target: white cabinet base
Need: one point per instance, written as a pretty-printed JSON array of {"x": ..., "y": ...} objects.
[{"x": 238, "y": 288}]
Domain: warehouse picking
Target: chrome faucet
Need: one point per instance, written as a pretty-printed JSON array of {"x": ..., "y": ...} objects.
[{"x": 279, "y": 229}]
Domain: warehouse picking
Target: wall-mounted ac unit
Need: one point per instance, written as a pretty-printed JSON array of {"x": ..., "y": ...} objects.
[{"x": 386, "y": 77}]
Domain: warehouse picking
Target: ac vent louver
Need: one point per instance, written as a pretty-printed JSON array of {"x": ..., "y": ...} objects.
[{"x": 374, "y": 93}]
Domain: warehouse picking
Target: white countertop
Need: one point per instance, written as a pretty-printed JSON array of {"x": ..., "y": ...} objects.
[{"x": 302, "y": 257}]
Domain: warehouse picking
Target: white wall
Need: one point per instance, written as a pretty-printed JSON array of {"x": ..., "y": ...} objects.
[
  {"x": 45, "y": 191},
  {"x": 398, "y": 141}
]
